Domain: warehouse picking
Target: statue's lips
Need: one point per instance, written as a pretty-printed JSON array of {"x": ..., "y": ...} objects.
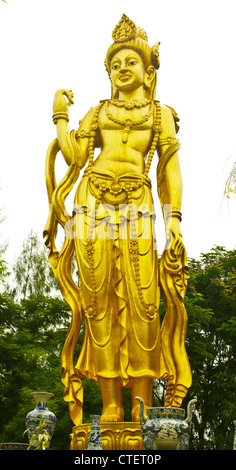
[{"x": 125, "y": 78}]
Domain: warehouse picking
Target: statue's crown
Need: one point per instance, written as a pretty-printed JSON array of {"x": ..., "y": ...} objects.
[{"x": 125, "y": 30}]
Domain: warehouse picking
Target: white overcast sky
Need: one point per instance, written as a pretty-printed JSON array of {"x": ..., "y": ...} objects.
[{"x": 52, "y": 44}]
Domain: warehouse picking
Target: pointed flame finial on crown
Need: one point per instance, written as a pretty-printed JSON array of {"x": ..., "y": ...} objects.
[{"x": 125, "y": 30}]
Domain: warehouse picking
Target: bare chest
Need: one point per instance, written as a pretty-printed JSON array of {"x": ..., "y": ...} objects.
[{"x": 134, "y": 125}]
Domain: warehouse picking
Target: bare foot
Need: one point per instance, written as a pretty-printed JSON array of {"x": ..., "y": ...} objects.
[{"x": 112, "y": 413}]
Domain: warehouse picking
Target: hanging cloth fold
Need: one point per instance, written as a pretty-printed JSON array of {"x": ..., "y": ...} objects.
[{"x": 61, "y": 264}]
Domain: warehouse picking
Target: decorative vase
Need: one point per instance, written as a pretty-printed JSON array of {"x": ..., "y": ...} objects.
[
  {"x": 42, "y": 412},
  {"x": 95, "y": 439},
  {"x": 165, "y": 427}
]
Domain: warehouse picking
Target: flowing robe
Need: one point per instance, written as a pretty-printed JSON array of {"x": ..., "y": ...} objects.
[{"x": 118, "y": 269}]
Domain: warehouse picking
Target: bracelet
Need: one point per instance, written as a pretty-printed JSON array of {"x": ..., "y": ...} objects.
[
  {"x": 60, "y": 115},
  {"x": 175, "y": 213}
]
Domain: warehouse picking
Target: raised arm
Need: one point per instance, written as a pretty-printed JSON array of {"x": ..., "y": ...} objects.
[
  {"x": 61, "y": 119},
  {"x": 80, "y": 144}
]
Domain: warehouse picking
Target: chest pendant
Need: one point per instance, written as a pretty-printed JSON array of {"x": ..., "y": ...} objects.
[{"x": 125, "y": 135}]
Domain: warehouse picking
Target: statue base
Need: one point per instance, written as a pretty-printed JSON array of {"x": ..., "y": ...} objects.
[{"x": 115, "y": 436}]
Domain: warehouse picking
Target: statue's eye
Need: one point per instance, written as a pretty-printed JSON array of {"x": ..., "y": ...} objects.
[
  {"x": 115, "y": 67},
  {"x": 132, "y": 62}
]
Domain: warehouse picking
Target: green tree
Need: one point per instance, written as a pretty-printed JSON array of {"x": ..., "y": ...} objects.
[
  {"x": 31, "y": 339},
  {"x": 210, "y": 302},
  {"x": 4, "y": 270},
  {"x": 31, "y": 271}
]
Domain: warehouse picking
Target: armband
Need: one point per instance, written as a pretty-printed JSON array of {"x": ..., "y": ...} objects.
[
  {"x": 60, "y": 115},
  {"x": 168, "y": 141}
]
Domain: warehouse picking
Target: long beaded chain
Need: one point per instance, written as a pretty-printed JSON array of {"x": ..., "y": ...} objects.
[
  {"x": 92, "y": 135},
  {"x": 157, "y": 131},
  {"x": 150, "y": 309},
  {"x": 91, "y": 309}
]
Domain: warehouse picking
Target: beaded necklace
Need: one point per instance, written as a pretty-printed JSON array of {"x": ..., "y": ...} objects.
[
  {"x": 128, "y": 123},
  {"x": 130, "y": 104}
]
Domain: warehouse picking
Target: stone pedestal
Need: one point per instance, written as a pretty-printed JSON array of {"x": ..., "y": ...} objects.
[{"x": 115, "y": 436}]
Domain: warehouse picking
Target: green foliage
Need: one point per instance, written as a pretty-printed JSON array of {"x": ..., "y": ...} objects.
[
  {"x": 40, "y": 437},
  {"x": 33, "y": 331},
  {"x": 32, "y": 272},
  {"x": 31, "y": 339},
  {"x": 4, "y": 271},
  {"x": 210, "y": 303}
]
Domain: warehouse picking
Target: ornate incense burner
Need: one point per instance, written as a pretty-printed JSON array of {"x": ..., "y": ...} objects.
[{"x": 165, "y": 427}]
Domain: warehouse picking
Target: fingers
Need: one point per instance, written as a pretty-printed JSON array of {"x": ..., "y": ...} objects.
[
  {"x": 70, "y": 97},
  {"x": 69, "y": 94},
  {"x": 174, "y": 241},
  {"x": 177, "y": 245}
]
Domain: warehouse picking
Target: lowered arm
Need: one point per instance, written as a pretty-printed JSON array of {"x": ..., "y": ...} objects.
[{"x": 169, "y": 180}]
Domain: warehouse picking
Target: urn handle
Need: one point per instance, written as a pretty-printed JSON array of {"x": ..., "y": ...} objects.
[
  {"x": 189, "y": 410},
  {"x": 141, "y": 412}
]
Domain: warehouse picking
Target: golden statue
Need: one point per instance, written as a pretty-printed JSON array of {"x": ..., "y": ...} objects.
[{"x": 111, "y": 232}]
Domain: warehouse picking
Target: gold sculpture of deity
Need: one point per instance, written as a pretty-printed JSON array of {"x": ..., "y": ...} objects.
[{"x": 111, "y": 233}]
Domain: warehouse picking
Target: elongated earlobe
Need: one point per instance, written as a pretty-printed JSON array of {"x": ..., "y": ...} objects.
[
  {"x": 114, "y": 92},
  {"x": 149, "y": 76}
]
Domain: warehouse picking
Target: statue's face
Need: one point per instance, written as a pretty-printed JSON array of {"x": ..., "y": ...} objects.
[{"x": 127, "y": 70}]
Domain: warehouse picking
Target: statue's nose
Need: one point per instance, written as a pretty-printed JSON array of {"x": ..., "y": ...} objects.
[{"x": 123, "y": 69}]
